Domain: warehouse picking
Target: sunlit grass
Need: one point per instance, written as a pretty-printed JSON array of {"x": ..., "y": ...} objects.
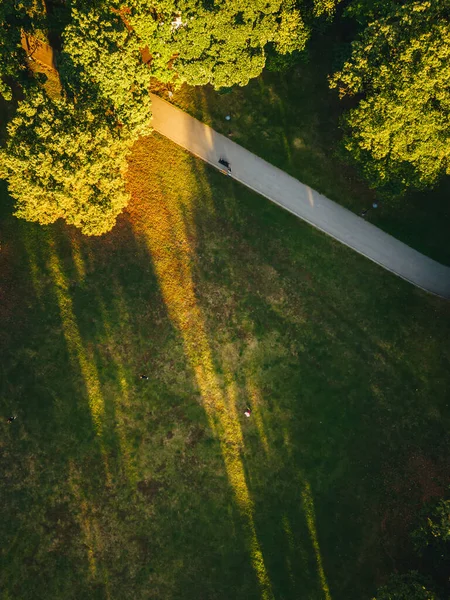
[
  {"x": 254, "y": 395},
  {"x": 164, "y": 222},
  {"x": 308, "y": 507},
  {"x": 78, "y": 258},
  {"x": 81, "y": 355}
]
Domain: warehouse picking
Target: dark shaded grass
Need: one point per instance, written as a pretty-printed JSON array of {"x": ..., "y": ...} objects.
[
  {"x": 45, "y": 548},
  {"x": 350, "y": 370},
  {"x": 353, "y": 391}
]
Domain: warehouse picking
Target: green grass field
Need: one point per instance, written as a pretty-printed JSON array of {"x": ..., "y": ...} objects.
[
  {"x": 118, "y": 488},
  {"x": 292, "y": 120}
]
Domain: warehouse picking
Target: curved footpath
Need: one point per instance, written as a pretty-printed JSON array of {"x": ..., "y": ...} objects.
[{"x": 301, "y": 200}]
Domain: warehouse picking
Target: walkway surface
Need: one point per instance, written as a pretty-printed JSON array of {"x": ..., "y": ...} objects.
[{"x": 301, "y": 200}]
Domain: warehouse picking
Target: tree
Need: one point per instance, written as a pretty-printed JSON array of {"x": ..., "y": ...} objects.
[
  {"x": 64, "y": 157},
  {"x": 102, "y": 62},
  {"x": 434, "y": 531},
  {"x": 15, "y": 16},
  {"x": 65, "y": 161},
  {"x": 400, "y": 65},
  {"x": 366, "y": 11},
  {"x": 222, "y": 42},
  {"x": 405, "y": 587}
]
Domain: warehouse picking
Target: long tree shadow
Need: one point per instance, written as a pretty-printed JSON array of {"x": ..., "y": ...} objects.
[
  {"x": 346, "y": 392},
  {"x": 162, "y": 225},
  {"x": 173, "y": 242},
  {"x": 52, "y": 428},
  {"x": 123, "y": 316},
  {"x": 136, "y": 468},
  {"x": 223, "y": 302}
]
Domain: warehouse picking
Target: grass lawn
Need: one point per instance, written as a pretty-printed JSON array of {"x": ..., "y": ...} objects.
[
  {"x": 292, "y": 121},
  {"x": 117, "y": 488}
]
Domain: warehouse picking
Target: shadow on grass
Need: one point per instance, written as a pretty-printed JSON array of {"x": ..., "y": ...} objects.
[
  {"x": 120, "y": 485},
  {"x": 111, "y": 493},
  {"x": 343, "y": 379}
]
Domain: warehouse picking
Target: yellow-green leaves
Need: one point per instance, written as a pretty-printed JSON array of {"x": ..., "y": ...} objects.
[
  {"x": 400, "y": 131},
  {"x": 221, "y": 43},
  {"x": 102, "y": 59},
  {"x": 61, "y": 162},
  {"x": 409, "y": 586}
]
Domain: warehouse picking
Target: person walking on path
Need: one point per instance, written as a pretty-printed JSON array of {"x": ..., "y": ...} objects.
[{"x": 364, "y": 212}]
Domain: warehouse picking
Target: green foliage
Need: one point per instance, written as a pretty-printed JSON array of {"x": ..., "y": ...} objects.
[
  {"x": 64, "y": 162},
  {"x": 405, "y": 587},
  {"x": 282, "y": 63},
  {"x": 435, "y": 530},
  {"x": 102, "y": 61},
  {"x": 399, "y": 132},
  {"x": 15, "y": 16},
  {"x": 325, "y": 8},
  {"x": 222, "y": 43},
  {"x": 365, "y": 11}
]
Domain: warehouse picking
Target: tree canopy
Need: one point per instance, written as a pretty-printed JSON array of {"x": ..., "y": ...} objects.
[
  {"x": 64, "y": 157},
  {"x": 63, "y": 162},
  {"x": 405, "y": 587},
  {"x": 434, "y": 531},
  {"x": 118, "y": 47},
  {"x": 400, "y": 65},
  {"x": 102, "y": 62}
]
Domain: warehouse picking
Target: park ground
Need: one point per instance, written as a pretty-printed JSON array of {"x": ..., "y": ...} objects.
[{"x": 115, "y": 487}]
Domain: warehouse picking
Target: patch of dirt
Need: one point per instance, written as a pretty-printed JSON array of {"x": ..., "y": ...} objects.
[
  {"x": 196, "y": 434},
  {"x": 150, "y": 489},
  {"x": 61, "y": 524}
]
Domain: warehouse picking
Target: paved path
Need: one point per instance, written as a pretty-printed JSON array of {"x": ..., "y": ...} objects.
[{"x": 301, "y": 200}]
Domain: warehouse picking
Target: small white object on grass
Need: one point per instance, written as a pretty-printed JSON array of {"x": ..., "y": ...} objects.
[
  {"x": 375, "y": 205},
  {"x": 228, "y": 118}
]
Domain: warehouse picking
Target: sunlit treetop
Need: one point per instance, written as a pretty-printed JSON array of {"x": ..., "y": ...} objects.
[
  {"x": 220, "y": 42},
  {"x": 400, "y": 65},
  {"x": 63, "y": 162},
  {"x": 16, "y": 16},
  {"x": 118, "y": 45},
  {"x": 101, "y": 62}
]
